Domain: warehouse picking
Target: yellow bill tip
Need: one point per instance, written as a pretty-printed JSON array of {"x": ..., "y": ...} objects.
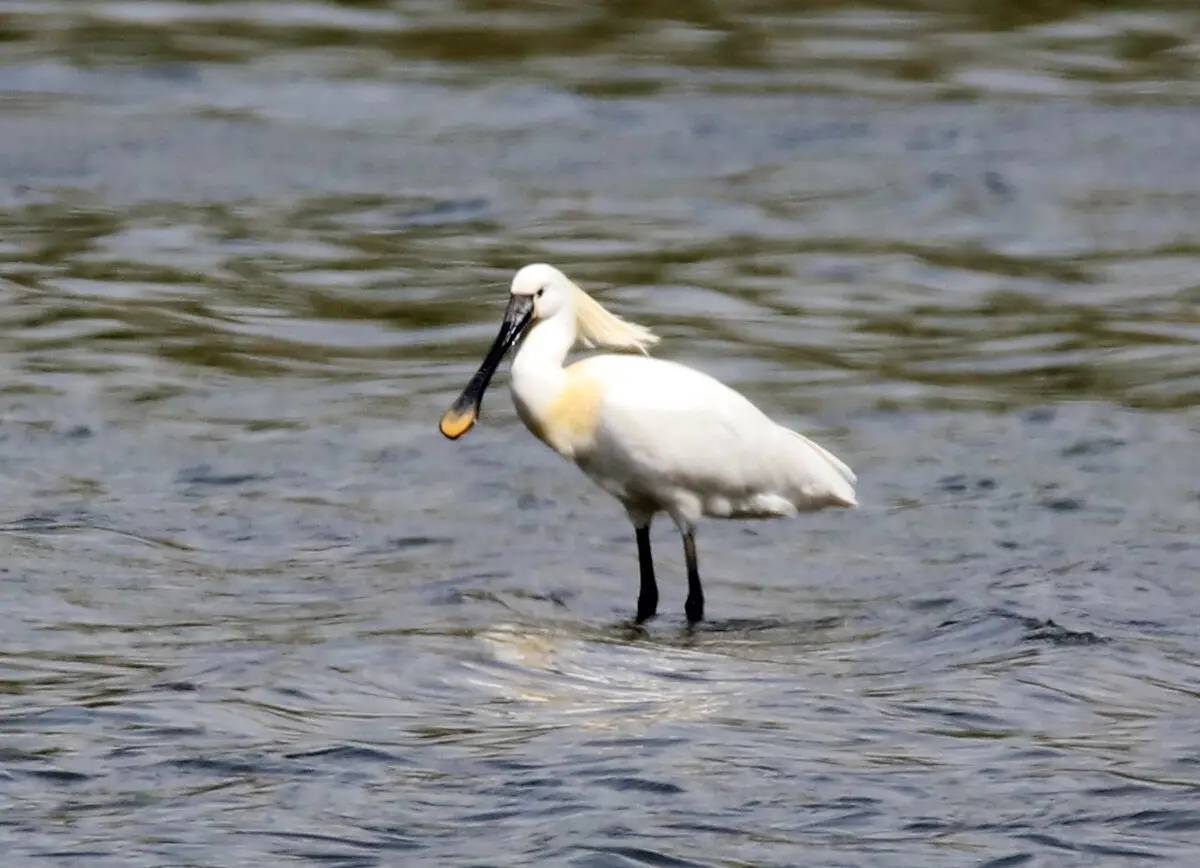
[{"x": 455, "y": 424}]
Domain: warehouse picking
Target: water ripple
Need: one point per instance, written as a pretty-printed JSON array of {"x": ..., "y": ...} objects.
[{"x": 258, "y": 611}]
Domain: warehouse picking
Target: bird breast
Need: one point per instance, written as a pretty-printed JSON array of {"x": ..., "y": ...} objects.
[{"x": 565, "y": 418}]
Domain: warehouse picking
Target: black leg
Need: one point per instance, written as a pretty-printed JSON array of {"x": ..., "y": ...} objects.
[
  {"x": 648, "y": 592},
  {"x": 694, "y": 607}
]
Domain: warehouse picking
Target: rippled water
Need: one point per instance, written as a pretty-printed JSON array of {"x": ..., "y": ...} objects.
[{"x": 256, "y": 611}]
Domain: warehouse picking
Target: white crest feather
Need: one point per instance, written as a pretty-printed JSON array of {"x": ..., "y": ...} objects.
[{"x": 596, "y": 327}]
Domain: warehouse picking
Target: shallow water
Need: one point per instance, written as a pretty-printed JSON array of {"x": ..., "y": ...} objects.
[{"x": 255, "y": 610}]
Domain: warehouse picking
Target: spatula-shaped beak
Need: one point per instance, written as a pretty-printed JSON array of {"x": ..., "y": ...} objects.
[{"x": 463, "y": 413}]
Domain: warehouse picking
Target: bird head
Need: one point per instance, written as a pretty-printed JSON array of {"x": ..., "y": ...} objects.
[
  {"x": 546, "y": 288},
  {"x": 540, "y": 292}
]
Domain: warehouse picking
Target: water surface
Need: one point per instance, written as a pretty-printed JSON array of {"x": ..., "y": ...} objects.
[{"x": 257, "y": 611}]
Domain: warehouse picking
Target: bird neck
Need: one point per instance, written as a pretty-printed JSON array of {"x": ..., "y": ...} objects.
[
  {"x": 537, "y": 370},
  {"x": 546, "y": 346}
]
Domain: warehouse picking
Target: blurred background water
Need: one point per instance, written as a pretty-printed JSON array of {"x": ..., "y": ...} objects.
[{"x": 254, "y": 610}]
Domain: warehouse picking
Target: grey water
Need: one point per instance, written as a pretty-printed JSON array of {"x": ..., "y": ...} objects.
[{"x": 254, "y": 610}]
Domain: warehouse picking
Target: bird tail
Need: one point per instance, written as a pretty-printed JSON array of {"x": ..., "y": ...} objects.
[{"x": 834, "y": 476}]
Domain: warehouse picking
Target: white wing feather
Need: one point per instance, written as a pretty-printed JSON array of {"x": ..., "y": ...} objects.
[{"x": 668, "y": 431}]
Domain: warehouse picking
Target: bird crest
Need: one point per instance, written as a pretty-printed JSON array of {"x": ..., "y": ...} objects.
[{"x": 596, "y": 327}]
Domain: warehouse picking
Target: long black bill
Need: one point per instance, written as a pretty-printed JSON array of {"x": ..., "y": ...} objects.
[{"x": 462, "y": 414}]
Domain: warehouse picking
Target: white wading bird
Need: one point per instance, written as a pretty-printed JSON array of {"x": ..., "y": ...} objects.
[{"x": 656, "y": 435}]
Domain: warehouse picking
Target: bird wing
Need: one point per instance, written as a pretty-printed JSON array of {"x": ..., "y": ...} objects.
[{"x": 665, "y": 426}]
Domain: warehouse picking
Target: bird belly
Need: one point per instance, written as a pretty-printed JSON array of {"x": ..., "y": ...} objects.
[
  {"x": 682, "y": 498},
  {"x": 756, "y": 505}
]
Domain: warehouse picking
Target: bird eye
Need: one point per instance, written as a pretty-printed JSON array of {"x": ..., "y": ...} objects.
[{"x": 540, "y": 291}]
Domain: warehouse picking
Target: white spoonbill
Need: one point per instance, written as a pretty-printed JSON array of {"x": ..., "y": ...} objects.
[{"x": 658, "y": 436}]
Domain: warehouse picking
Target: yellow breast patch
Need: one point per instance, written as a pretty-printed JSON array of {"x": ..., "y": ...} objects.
[{"x": 569, "y": 423}]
